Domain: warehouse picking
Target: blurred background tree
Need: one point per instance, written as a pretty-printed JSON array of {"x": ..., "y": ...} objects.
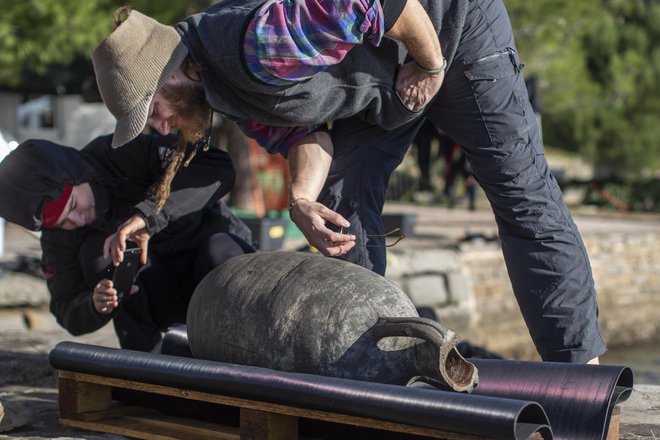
[
  {"x": 598, "y": 68},
  {"x": 37, "y": 34},
  {"x": 596, "y": 64}
]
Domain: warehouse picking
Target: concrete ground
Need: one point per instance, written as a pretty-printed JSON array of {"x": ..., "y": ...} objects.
[{"x": 28, "y": 395}]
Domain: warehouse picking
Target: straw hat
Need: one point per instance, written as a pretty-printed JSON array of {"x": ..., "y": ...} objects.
[{"x": 131, "y": 64}]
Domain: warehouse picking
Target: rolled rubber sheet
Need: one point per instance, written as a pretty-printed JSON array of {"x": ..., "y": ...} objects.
[
  {"x": 578, "y": 399},
  {"x": 508, "y": 403}
]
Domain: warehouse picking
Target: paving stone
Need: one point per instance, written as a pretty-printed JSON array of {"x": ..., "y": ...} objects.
[
  {"x": 12, "y": 320},
  {"x": 640, "y": 415},
  {"x": 427, "y": 289},
  {"x": 21, "y": 289},
  {"x": 13, "y": 414}
]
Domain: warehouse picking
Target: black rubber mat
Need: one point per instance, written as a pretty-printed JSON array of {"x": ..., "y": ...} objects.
[
  {"x": 513, "y": 400},
  {"x": 478, "y": 415},
  {"x": 578, "y": 399}
]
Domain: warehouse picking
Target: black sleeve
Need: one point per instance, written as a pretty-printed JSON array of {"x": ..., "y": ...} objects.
[
  {"x": 392, "y": 9},
  {"x": 208, "y": 177},
  {"x": 137, "y": 161},
  {"x": 70, "y": 296}
]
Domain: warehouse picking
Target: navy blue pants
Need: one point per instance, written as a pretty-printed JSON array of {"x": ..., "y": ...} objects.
[{"x": 483, "y": 105}]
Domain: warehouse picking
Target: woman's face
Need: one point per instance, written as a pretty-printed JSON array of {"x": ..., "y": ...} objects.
[{"x": 80, "y": 210}]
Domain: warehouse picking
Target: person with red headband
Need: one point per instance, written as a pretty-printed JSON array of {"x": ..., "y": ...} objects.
[{"x": 77, "y": 198}]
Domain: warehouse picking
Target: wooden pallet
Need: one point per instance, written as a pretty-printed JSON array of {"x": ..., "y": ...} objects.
[{"x": 86, "y": 402}]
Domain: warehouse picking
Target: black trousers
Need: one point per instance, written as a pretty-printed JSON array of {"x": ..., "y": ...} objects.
[
  {"x": 483, "y": 105},
  {"x": 166, "y": 285}
]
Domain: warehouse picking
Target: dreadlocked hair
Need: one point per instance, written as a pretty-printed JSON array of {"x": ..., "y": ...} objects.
[{"x": 161, "y": 191}]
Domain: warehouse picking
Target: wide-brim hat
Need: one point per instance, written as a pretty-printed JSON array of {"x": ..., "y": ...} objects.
[{"x": 131, "y": 65}]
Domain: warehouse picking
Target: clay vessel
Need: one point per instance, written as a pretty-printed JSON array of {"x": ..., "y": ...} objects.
[{"x": 301, "y": 312}]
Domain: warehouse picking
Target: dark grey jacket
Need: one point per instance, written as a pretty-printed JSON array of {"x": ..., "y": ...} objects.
[{"x": 362, "y": 84}]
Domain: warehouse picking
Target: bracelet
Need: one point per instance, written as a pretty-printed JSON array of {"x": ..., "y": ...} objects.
[
  {"x": 292, "y": 204},
  {"x": 442, "y": 68}
]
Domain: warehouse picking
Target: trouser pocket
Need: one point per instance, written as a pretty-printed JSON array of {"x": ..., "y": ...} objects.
[{"x": 500, "y": 94}]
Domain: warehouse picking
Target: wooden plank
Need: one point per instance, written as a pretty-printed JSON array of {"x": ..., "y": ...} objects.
[
  {"x": 270, "y": 407},
  {"x": 117, "y": 409},
  {"x": 77, "y": 396},
  {"x": 613, "y": 431},
  {"x": 153, "y": 425},
  {"x": 261, "y": 425}
]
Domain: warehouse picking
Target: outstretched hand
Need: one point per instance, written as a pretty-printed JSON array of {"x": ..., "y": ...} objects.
[
  {"x": 415, "y": 87},
  {"x": 133, "y": 229},
  {"x": 311, "y": 217}
]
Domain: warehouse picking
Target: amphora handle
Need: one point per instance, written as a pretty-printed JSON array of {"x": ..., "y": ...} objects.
[{"x": 453, "y": 370}]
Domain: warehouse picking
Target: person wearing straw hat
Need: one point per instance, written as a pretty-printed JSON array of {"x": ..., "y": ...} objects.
[
  {"x": 77, "y": 198},
  {"x": 340, "y": 88}
]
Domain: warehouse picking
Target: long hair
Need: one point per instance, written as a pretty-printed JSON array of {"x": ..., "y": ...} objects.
[
  {"x": 161, "y": 191},
  {"x": 189, "y": 102},
  {"x": 181, "y": 157}
]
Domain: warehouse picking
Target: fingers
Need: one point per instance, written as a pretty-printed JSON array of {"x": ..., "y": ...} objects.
[
  {"x": 104, "y": 297},
  {"x": 112, "y": 249},
  {"x": 330, "y": 243},
  {"x": 415, "y": 87},
  {"x": 337, "y": 250},
  {"x": 117, "y": 248},
  {"x": 106, "y": 247},
  {"x": 329, "y": 247},
  {"x": 133, "y": 229},
  {"x": 144, "y": 245},
  {"x": 333, "y": 217},
  {"x": 312, "y": 217}
]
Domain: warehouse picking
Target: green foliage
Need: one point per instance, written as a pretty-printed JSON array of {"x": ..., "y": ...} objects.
[
  {"x": 597, "y": 63},
  {"x": 40, "y": 32},
  {"x": 598, "y": 69},
  {"x": 37, "y": 33}
]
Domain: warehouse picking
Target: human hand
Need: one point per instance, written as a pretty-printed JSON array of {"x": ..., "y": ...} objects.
[
  {"x": 310, "y": 217},
  {"x": 415, "y": 87},
  {"x": 133, "y": 229},
  {"x": 105, "y": 298}
]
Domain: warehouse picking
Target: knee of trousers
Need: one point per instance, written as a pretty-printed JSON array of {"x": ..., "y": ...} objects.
[
  {"x": 355, "y": 188},
  {"x": 524, "y": 195}
]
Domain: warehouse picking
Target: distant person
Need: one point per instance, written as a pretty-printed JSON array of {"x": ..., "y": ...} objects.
[
  {"x": 455, "y": 164},
  {"x": 78, "y": 198},
  {"x": 423, "y": 142}
]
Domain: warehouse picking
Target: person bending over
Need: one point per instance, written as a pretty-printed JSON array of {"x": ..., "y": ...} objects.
[{"x": 340, "y": 87}]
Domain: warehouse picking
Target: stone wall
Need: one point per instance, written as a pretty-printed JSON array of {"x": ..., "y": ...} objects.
[
  {"x": 469, "y": 290},
  {"x": 627, "y": 273}
]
